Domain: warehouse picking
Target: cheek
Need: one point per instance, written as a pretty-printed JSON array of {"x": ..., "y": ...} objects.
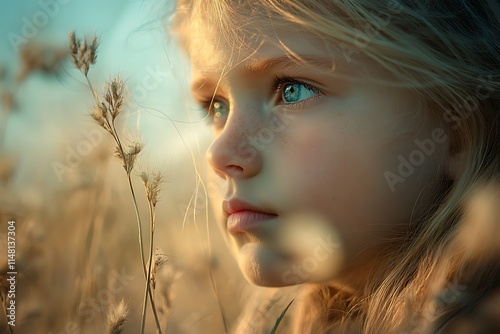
[
  {"x": 342, "y": 172},
  {"x": 317, "y": 168}
]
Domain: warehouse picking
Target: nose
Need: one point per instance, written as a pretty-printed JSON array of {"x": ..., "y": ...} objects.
[{"x": 232, "y": 154}]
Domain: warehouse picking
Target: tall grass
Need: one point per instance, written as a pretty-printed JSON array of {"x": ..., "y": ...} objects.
[
  {"x": 76, "y": 261},
  {"x": 107, "y": 107}
]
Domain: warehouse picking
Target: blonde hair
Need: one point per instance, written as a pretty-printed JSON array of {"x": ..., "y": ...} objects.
[{"x": 448, "y": 53}]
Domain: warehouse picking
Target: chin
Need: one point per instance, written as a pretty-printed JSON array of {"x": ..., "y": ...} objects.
[
  {"x": 263, "y": 266},
  {"x": 266, "y": 266}
]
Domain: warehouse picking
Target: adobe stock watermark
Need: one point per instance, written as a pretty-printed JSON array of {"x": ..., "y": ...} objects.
[
  {"x": 89, "y": 309},
  {"x": 75, "y": 155},
  {"x": 326, "y": 247},
  {"x": 265, "y": 136},
  {"x": 32, "y": 25},
  {"x": 417, "y": 157},
  {"x": 450, "y": 294},
  {"x": 149, "y": 82},
  {"x": 10, "y": 301},
  {"x": 461, "y": 111}
]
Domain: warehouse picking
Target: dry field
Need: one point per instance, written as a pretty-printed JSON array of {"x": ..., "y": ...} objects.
[{"x": 77, "y": 252}]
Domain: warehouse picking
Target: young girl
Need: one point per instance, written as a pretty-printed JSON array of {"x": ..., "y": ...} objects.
[{"x": 351, "y": 138}]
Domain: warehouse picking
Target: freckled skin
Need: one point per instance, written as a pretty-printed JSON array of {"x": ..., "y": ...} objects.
[{"x": 329, "y": 158}]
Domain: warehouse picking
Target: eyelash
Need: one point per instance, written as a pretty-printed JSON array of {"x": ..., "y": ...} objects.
[
  {"x": 279, "y": 83},
  {"x": 277, "y": 86}
]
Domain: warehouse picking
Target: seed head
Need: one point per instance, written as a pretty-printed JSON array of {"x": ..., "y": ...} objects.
[
  {"x": 130, "y": 155},
  {"x": 135, "y": 148},
  {"x": 98, "y": 114},
  {"x": 114, "y": 96},
  {"x": 117, "y": 315},
  {"x": 159, "y": 261},
  {"x": 39, "y": 57},
  {"x": 83, "y": 52},
  {"x": 152, "y": 185},
  {"x": 118, "y": 153}
]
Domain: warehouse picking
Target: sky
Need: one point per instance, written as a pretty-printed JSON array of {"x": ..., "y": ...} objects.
[{"x": 52, "y": 110}]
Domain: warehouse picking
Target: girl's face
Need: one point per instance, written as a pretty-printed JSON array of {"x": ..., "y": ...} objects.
[{"x": 321, "y": 169}]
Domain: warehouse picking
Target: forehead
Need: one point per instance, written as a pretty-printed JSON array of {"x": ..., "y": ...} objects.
[
  {"x": 250, "y": 45},
  {"x": 257, "y": 49}
]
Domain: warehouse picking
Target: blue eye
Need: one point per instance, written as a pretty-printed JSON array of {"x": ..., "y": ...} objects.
[
  {"x": 296, "y": 92},
  {"x": 291, "y": 91}
]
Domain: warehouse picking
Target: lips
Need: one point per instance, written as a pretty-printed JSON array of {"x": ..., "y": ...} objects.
[{"x": 243, "y": 217}]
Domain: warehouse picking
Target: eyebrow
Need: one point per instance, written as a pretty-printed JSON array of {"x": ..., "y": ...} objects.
[
  {"x": 288, "y": 63},
  {"x": 276, "y": 64}
]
